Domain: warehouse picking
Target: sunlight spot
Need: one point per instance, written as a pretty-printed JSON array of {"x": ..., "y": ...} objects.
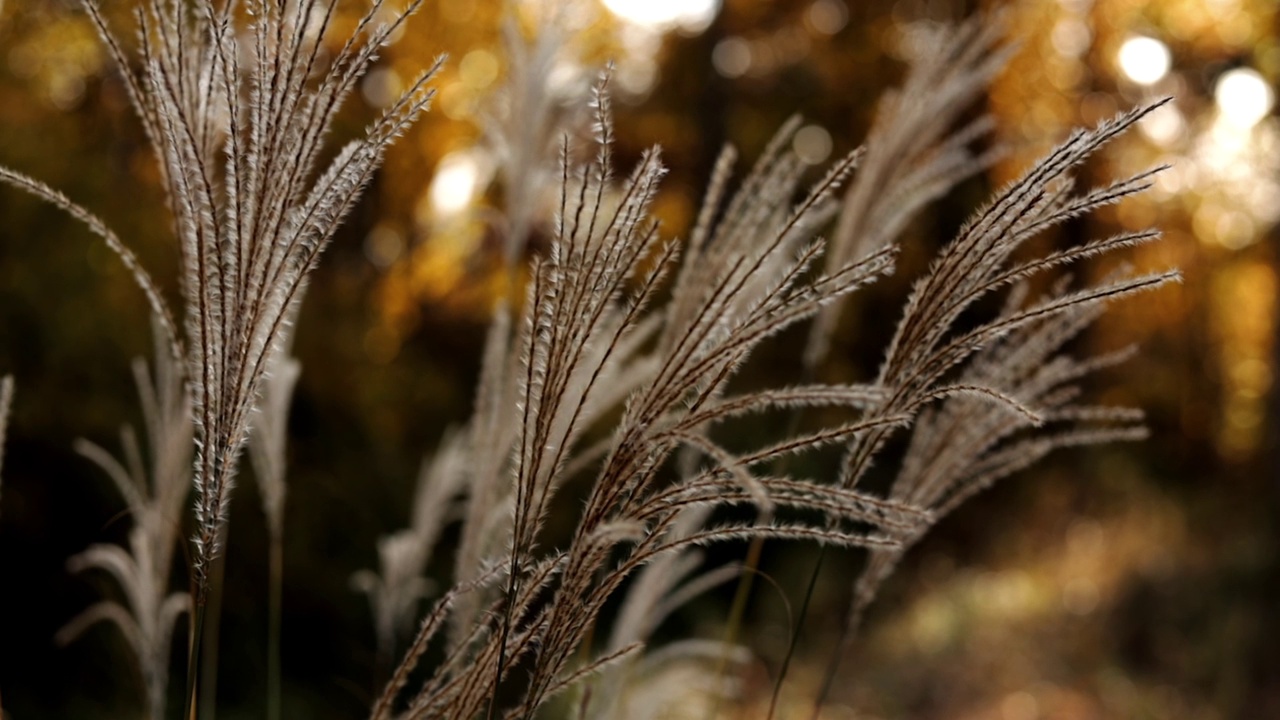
[
  {"x": 456, "y": 183},
  {"x": 381, "y": 87},
  {"x": 1071, "y": 37},
  {"x": 638, "y": 76},
  {"x": 1144, "y": 60},
  {"x": 457, "y": 101},
  {"x": 1243, "y": 97},
  {"x": 383, "y": 245},
  {"x": 687, "y": 15},
  {"x": 1234, "y": 229}
]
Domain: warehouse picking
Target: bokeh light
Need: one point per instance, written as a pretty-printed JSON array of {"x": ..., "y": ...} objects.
[
  {"x": 812, "y": 144},
  {"x": 457, "y": 180},
  {"x": 688, "y": 15},
  {"x": 1243, "y": 97},
  {"x": 1144, "y": 60}
]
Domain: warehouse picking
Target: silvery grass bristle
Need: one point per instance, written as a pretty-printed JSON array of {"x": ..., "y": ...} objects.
[
  {"x": 398, "y": 587},
  {"x": 238, "y": 121},
  {"x": 591, "y": 324},
  {"x": 155, "y": 492},
  {"x": 637, "y": 687},
  {"x": 592, "y": 337},
  {"x": 533, "y": 105},
  {"x": 1004, "y": 375},
  {"x": 238, "y": 107},
  {"x": 917, "y": 149},
  {"x": 522, "y": 125},
  {"x": 925, "y": 348}
]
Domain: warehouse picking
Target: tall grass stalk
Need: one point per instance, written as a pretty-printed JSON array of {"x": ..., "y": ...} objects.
[{"x": 238, "y": 117}]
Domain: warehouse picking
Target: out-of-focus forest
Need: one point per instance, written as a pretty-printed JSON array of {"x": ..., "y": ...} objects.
[{"x": 1130, "y": 581}]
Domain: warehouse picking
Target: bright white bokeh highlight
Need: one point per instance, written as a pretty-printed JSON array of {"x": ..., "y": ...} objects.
[
  {"x": 457, "y": 181},
  {"x": 1243, "y": 97},
  {"x": 687, "y": 15},
  {"x": 1145, "y": 60}
]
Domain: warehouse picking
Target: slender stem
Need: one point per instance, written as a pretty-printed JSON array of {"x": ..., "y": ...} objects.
[
  {"x": 750, "y": 566},
  {"x": 193, "y": 659},
  {"x": 737, "y": 611},
  {"x": 795, "y": 633},
  {"x": 517, "y": 529},
  {"x": 209, "y": 624},
  {"x": 584, "y": 657},
  {"x": 274, "y": 624}
]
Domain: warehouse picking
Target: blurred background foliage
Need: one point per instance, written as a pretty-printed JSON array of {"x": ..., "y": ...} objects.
[{"x": 1127, "y": 582}]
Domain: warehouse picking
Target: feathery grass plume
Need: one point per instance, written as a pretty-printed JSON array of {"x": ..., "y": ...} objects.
[
  {"x": 239, "y": 118},
  {"x": 680, "y": 679},
  {"x": 530, "y": 113},
  {"x": 397, "y": 588},
  {"x": 6, "y": 402},
  {"x": 522, "y": 130},
  {"x": 965, "y": 444},
  {"x": 147, "y": 616},
  {"x": 585, "y": 309},
  {"x": 998, "y": 363},
  {"x": 979, "y": 262},
  {"x": 486, "y": 525},
  {"x": 241, "y": 146},
  {"x": 915, "y": 153},
  {"x": 641, "y": 687},
  {"x": 270, "y": 426}
]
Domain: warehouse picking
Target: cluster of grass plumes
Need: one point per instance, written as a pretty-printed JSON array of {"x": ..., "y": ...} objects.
[{"x": 616, "y": 367}]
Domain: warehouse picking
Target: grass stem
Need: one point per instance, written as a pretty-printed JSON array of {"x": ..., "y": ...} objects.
[{"x": 274, "y": 624}]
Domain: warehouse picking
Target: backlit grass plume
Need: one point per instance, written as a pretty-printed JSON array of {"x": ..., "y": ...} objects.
[
  {"x": 1003, "y": 379},
  {"x": 155, "y": 492},
  {"x": 591, "y": 338},
  {"x": 982, "y": 401},
  {"x": 237, "y": 100}
]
